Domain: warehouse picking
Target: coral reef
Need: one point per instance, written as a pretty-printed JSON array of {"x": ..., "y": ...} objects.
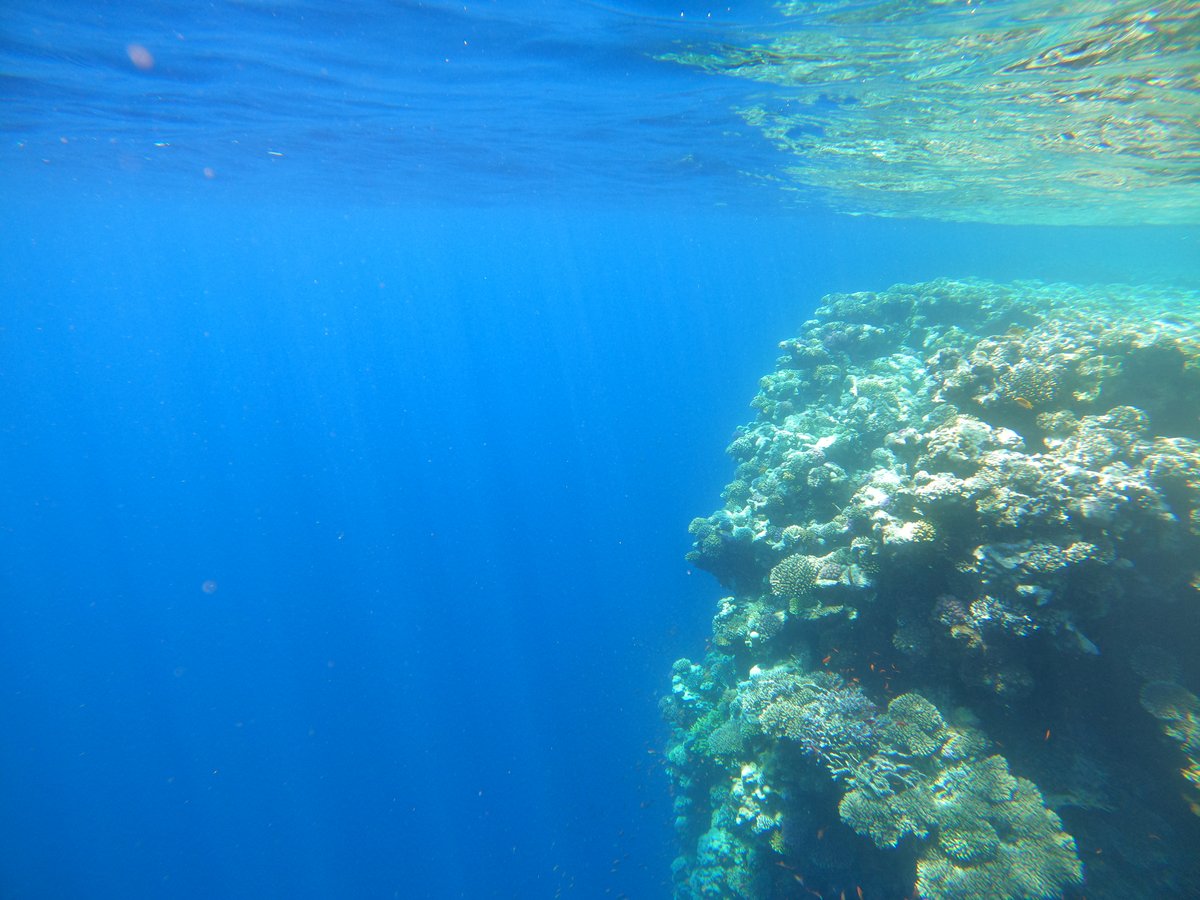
[{"x": 962, "y": 541}]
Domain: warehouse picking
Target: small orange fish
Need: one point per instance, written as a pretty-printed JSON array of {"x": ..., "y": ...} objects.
[
  {"x": 1022, "y": 402},
  {"x": 1046, "y": 736},
  {"x": 826, "y": 660},
  {"x": 858, "y": 890},
  {"x": 821, "y": 833}
]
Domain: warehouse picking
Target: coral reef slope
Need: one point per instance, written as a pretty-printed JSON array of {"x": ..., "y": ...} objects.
[{"x": 961, "y": 560}]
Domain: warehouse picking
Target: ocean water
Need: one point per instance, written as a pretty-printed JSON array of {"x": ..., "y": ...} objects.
[{"x": 362, "y": 366}]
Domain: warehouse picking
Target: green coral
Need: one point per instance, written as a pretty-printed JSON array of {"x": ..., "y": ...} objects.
[
  {"x": 725, "y": 742},
  {"x": 737, "y": 492},
  {"x": 969, "y": 843},
  {"x": 996, "y": 847},
  {"x": 910, "y": 773},
  {"x": 1031, "y": 384},
  {"x": 717, "y": 736},
  {"x": 795, "y": 580},
  {"x": 886, "y": 819},
  {"x": 708, "y": 538},
  {"x": 916, "y": 725},
  {"x": 986, "y": 834},
  {"x": 819, "y": 710},
  {"x": 794, "y": 577}
]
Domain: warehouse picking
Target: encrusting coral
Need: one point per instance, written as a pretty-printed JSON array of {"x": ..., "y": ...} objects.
[{"x": 963, "y": 513}]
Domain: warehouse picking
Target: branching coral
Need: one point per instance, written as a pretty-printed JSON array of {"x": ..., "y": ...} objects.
[
  {"x": 995, "y": 839},
  {"x": 828, "y": 717},
  {"x": 985, "y": 833},
  {"x": 794, "y": 579}
]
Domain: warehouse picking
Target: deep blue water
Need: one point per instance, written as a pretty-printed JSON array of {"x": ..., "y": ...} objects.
[{"x": 344, "y": 507}]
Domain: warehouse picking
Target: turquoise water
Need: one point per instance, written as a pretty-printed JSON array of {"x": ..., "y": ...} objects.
[{"x": 362, "y": 367}]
